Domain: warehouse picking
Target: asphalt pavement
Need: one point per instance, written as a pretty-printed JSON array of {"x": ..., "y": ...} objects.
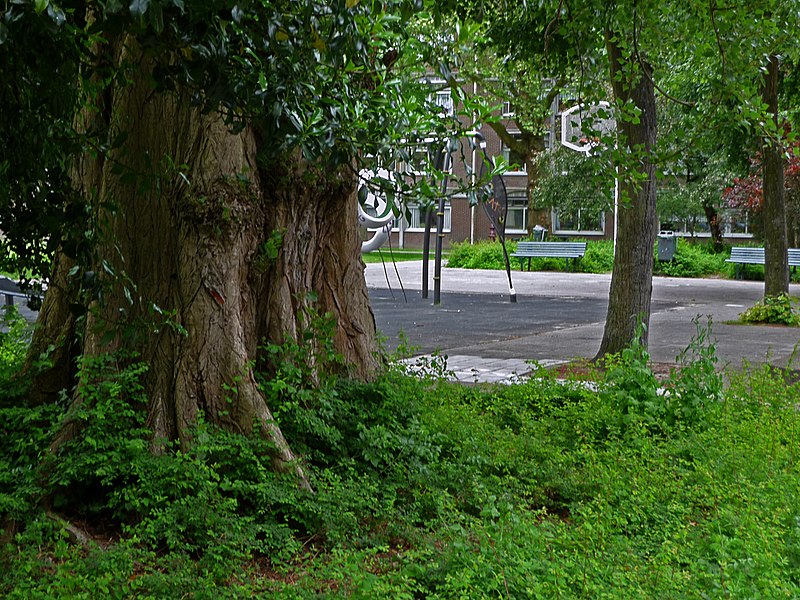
[{"x": 559, "y": 316}]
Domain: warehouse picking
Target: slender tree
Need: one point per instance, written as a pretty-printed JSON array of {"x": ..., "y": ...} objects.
[
  {"x": 632, "y": 276},
  {"x": 776, "y": 259}
]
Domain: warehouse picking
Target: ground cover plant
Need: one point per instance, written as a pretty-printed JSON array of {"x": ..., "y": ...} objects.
[
  {"x": 422, "y": 488},
  {"x": 778, "y": 310}
]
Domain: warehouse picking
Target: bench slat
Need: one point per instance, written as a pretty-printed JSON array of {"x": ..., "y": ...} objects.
[{"x": 550, "y": 249}]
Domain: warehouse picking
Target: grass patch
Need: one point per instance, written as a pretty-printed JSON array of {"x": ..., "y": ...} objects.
[{"x": 398, "y": 255}]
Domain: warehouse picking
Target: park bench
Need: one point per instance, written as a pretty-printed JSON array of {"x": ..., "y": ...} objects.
[
  {"x": 755, "y": 256},
  {"x": 566, "y": 250}
]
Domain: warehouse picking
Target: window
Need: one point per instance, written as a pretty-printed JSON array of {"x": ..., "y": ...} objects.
[
  {"x": 695, "y": 225},
  {"x": 420, "y": 159},
  {"x": 516, "y": 161},
  {"x": 737, "y": 223},
  {"x": 517, "y": 217},
  {"x": 444, "y": 99},
  {"x": 586, "y": 220},
  {"x": 508, "y": 110},
  {"x": 548, "y": 140},
  {"x": 417, "y": 222}
]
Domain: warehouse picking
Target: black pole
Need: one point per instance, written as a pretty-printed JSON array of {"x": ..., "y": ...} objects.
[
  {"x": 442, "y": 162},
  {"x": 511, "y": 293},
  {"x": 499, "y": 184},
  {"x": 426, "y": 250}
]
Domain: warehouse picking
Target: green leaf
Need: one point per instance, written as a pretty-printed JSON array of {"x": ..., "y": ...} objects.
[
  {"x": 3, "y": 34},
  {"x": 113, "y": 7},
  {"x": 40, "y": 5},
  {"x": 56, "y": 14},
  {"x": 157, "y": 18},
  {"x": 138, "y": 7}
]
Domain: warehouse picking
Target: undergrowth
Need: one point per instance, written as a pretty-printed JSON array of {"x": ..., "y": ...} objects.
[
  {"x": 778, "y": 310},
  {"x": 422, "y": 488}
]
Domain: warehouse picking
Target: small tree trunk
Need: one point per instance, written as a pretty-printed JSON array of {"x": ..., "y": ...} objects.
[
  {"x": 712, "y": 218},
  {"x": 534, "y": 176},
  {"x": 632, "y": 275},
  {"x": 776, "y": 260}
]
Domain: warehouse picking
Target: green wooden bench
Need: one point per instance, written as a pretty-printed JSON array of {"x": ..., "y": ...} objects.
[
  {"x": 567, "y": 250},
  {"x": 755, "y": 256}
]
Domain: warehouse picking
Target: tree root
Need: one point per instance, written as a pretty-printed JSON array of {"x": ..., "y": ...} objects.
[{"x": 75, "y": 534}]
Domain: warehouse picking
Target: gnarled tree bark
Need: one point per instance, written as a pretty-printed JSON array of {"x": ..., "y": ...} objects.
[{"x": 196, "y": 213}]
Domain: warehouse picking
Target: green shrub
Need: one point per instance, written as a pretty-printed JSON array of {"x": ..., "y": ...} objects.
[
  {"x": 686, "y": 399},
  {"x": 599, "y": 257},
  {"x": 694, "y": 389},
  {"x": 15, "y": 335},
  {"x": 778, "y": 309},
  {"x": 633, "y": 391},
  {"x": 481, "y": 255},
  {"x": 694, "y": 259},
  {"x": 424, "y": 488}
]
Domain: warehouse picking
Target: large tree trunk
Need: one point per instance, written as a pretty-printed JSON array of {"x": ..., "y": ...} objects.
[
  {"x": 776, "y": 260},
  {"x": 632, "y": 276},
  {"x": 195, "y": 223}
]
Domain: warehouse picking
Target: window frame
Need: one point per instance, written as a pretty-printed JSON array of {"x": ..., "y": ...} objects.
[
  {"x": 505, "y": 152},
  {"x": 557, "y": 229},
  {"x": 413, "y": 209},
  {"x": 522, "y": 198}
]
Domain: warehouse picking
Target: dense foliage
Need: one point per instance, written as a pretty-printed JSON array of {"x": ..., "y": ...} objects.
[
  {"x": 424, "y": 488},
  {"x": 571, "y": 181},
  {"x": 747, "y": 193}
]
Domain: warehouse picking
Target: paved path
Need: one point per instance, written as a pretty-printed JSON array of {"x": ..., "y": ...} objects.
[{"x": 559, "y": 316}]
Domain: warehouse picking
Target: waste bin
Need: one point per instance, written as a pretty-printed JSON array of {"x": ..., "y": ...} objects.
[
  {"x": 539, "y": 233},
  {"x": 667, "y": 243}
]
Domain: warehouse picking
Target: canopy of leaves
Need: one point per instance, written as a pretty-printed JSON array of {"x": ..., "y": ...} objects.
[
  {"x": 571, "y": 180},
  {"x": 338, "y": 81},
  {"x": 748, "y": 193}
]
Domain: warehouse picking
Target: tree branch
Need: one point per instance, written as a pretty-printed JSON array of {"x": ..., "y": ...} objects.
[
  {"x": 645, "y": 68},
  {"x": 509, "y": 140},
  {"x": 712, "y": 8}
]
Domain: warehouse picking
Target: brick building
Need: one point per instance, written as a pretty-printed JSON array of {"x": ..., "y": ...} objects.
[
  {"x": 464, "y": 223},
  {"x": 467, "y": 223}
]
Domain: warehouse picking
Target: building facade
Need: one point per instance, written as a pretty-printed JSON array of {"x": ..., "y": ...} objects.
[{"x": 466, "y": 223}]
